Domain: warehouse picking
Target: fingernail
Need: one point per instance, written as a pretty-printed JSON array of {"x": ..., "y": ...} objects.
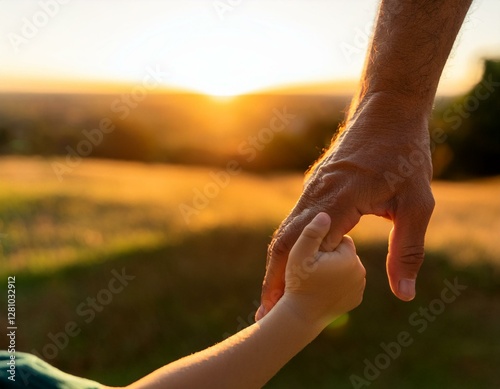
[
  {"x": 261, "y": 312},
  {"x": 322, "y": 219},
  {"x": 407, "y": 288}
]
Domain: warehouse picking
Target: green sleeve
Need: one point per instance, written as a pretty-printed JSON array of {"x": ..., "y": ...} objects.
[{"x": 31, "y": 372}]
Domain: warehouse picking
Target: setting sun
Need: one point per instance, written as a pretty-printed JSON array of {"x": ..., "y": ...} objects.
[
  {"x": 245, "y": 47},
  {"x": 222, "y": 60},
  {"x": 155, "y": 155}
]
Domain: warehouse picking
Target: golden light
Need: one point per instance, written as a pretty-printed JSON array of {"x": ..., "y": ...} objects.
[
  {"x": 222, "y": 60},
  {"x": 218, "y": 69}
]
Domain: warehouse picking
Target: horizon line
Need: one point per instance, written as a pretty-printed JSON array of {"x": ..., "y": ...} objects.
[{"x": 97, "y": 87}]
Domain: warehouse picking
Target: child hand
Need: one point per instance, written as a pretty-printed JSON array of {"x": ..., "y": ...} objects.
[{"x": 319, "y": 286}]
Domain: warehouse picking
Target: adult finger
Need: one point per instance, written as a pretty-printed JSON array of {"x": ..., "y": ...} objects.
[
  {"x": 343, "y": 221},
  {"x": 274, "y": 280},
  {"x": 406, "y": 245}
]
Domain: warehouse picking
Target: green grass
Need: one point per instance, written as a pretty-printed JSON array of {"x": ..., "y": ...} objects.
[{"x": 196, "y": 283}]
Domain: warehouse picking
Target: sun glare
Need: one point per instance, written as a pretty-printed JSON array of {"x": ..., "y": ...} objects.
[
  {"x": 224, "y": 62},
  {"x": 219, "y": 66}
]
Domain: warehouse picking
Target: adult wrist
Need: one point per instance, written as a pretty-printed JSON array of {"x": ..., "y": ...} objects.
[{"x": 392, "y": 105}]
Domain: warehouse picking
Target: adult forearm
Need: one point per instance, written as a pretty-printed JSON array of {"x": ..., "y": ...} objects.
[{"x": 411, "y": 43}]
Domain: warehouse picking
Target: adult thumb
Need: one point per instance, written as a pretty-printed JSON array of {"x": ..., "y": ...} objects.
[{"x": 406, "y": 250}]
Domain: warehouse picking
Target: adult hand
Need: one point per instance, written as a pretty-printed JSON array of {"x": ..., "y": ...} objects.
[{"x": 380, "y": 164}]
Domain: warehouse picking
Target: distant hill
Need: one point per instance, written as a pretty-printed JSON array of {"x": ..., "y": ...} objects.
[
  {"x": 174, "y": 128},
  {"x": 261, "y": 132},
  {"x": 337, "y": 88}
]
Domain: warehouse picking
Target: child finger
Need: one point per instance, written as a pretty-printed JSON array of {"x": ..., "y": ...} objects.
[{"x": 310, "y": 239}]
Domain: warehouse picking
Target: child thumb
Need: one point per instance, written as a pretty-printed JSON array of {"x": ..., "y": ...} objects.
[{"x": 310, "y": 239}]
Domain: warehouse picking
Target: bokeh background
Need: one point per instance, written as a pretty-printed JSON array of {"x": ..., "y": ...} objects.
[{"x": 134, "y": 247}]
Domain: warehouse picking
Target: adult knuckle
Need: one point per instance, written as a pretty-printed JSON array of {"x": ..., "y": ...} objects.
[
  {"x": 429, "y": 202},
  {"x": 412, "y": 256},
  {"x": 362, "y": 271},
  {"x": 425, "y": 208},
  {"x": 420, "y": 204}
]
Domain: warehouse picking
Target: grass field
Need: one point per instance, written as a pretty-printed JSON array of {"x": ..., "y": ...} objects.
[{"x": 195, "y": 282}]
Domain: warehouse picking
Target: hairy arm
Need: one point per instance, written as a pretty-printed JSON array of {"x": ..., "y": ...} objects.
[
  {"x": 380, "y": 163},
  {"x": 410, "y": 46}
]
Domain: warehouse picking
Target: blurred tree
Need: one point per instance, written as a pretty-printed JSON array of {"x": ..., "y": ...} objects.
[
  {"x": 129, "y": 141},
  {"x": 471, "y": 122},
  {"x": 297, "y": 150}
]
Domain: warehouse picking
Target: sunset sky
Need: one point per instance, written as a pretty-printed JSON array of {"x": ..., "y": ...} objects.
[{"x": 209, "y": 46}]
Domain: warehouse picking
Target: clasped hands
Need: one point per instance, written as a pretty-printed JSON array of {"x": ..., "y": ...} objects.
[{"x": 375, "y": 166}]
